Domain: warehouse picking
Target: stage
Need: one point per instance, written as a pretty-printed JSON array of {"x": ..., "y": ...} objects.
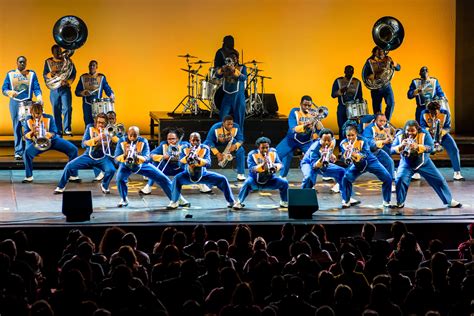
[{"x": 35, "y": 205}]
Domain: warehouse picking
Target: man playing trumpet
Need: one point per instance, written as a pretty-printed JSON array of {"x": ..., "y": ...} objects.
[
  {"x": 438, "y": 122},
  {"x": 97, "y": 154},
  {"x": 263, "y": 163},
  {"x": 41, "y": 136}
]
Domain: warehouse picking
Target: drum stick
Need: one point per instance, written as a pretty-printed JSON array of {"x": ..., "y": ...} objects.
[{"x": 20, "y": 92}]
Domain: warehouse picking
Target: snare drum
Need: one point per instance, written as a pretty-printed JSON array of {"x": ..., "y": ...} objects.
[
  {"x": 356, "y": 109},
  {"x": 24, "y": 109},
  {"x": 208, "y": 89},
  {"x": 102, "y": 106}
]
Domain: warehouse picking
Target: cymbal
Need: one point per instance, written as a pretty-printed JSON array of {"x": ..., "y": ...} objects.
[
  {"x": 255, "y": 69},
  {"x": 264, "y": 77},
  {"x": 200, "y": 62},
  {"x": 194, "y": 72},
  {"x": 187, "y": 56},
  {"x": 253, "y": 62}
]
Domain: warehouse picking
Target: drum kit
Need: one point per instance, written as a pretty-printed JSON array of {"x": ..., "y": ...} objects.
[{"x": 201, "y": 89}]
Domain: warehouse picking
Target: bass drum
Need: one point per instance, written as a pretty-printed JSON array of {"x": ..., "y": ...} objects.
[
  {"x": 356, "y": 109},
  {"x": 102, "y": 106},
  {"x": 24, "y": 109}
]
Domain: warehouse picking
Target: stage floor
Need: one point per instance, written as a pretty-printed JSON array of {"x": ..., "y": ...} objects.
[{"x": 35, "y": 204}]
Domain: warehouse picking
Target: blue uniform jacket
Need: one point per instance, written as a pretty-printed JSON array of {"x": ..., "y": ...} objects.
[
  {"x": 362, "y": 152},
  {"x": 255, "y": 162},
  {"x": 49, "y": 125},
  {"x": 97, "y": 83},
  {"x": 218, "y": 136},
  {"x": 231, "y": 86},
  {"x": 314, "y": 153},
  {"x": 196, "y": 171},
  {"x": 25, "y": 85},
  {"x": 416, "y": 159},
  {"x": 142, "y": 150},
  {"x": 354, "y": 91},
  {"x": 431, "y": 89}
]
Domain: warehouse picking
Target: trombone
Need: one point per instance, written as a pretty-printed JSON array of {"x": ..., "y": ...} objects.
[{"x": 105, "y": 143}]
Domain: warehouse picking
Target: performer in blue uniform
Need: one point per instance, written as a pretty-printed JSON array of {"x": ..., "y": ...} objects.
[
  {"x": 91, "y": 85},
  {"x": 166, "y": 156},
  {"x": 319, "y": 159},
  {"x": 375, "y": 68},
  {"x": 345, "y": 89},
  {"x": 132, "y": 153},
  {"x": 234, "y": 76},
  {"x": 196, "y": 159},
  {"x": 20, "y": 85},
  {"x": 219, "y": 61},
  {"x": 263, "y": 163},
  {"x": 41, "y": 136},
  {"x": 355, "y": 151},
  {"x": 97, "y": 154},
  {"x": 378, "y": 134},
  {"x": 438, "y": 122},
  {"x": 218, "y": 140},
  {"x": 60, "y": 96},
  {"x": 414, "y": 145},
  {"x": 424, "y": 89},
  {"x": 303, "y": 128}
]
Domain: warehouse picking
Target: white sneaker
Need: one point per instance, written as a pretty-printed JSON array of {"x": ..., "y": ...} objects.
[
  {"x": 326, "y": 179},
  {"x": 230, "y": 205},
  {"x": 203, "y": 188},
  {"x": 123, "y": 203},
  {"x": 27, "y": 179},
  {"x": 416, "y": 176},
  {"x": 284, "y": 178},
  {"x": 458, "y": 177},
  {"x": 454, "y": 204},
  {"x": 345, "y": 204},
  {"x": 335, "y": 188},
  {"x": 99, "y": 177},
  {"x": 386, "y": 204},
  {"x": 238, "y": 206},
  {"x": 284, "y": 204},
  {"x": 145, "y": 178},
  {"x": 394, "y": 188},
  {"x": 353, "y": 202},
  {"x": 183, "y": 202},
  {"x": 172, "y": 205},
  {"x": 74, "y": 179},
  {"x": 58, "y": 190},
  {"x": 104, "y": 190},
  {"x": 146, "y": 190},
  {"x": 241, "y": 177}
]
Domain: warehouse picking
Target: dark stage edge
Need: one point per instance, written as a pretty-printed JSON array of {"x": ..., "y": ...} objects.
[{"x": 35, "y": 205}]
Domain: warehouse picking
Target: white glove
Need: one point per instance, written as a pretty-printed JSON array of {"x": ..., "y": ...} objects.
[{"x": 39, "y": 99}]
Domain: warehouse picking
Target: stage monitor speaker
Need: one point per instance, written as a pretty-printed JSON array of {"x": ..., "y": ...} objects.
[
  {"x": 77, "y": 205},
  {"x": 302, "y": 203},
  {"x": 270, "y": 103}
]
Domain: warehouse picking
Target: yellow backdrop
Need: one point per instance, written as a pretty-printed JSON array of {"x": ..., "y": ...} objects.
[{"x": 304, "y": 45}]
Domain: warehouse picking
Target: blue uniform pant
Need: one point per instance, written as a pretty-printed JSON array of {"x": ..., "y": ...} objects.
[
  {"x": 273, "y": 184},
  {"x": 386, "y": 94},
  {"x": 171, "y": 169},
  {"x": 87, "y": 113},
  {"x": 453, "y": 152},
  {"x": 332, "y": 171},
  {"x": 97, "y": 170},
  {"x": 341, "y": 117},
  {"x": 61, "y": 99},
  {"x": 285, "y": 151},
  {"x": 428, "y": 171},
  {"x": 209, "y": 178},
  {"x": 374, "y": 167},
  {"x": 17, "y": 133},
  {"x": 147, "y": 170},
  {"x": 86, "y": 162},
  {"x": 234, "y": 103},
  {"x": 58, "y": 144},
  {"x": 386, "y": 161}
]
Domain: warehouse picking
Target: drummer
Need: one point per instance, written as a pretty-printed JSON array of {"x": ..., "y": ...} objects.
[
  {"x": 20, "y": 85},
  {"x": 345, "y": 89},
  {"x": 90, "y": 87}
]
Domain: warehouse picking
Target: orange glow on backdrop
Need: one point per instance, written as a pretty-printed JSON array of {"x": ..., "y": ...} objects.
[{"x": 304, "y": 45}]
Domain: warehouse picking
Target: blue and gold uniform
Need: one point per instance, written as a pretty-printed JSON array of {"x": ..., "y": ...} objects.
[
  {"x": 57, "y": 143},
  {"x": 377, "y": 137},
  {"x": 173, "y": 167},
  {"x": 25, "y": 84},
  {"x": 430, "y": 90},
  {"x": 218, "y": 138},
  {"x": 418, "y": 161},
  {"x": 139, "y": 166},
  {"x": 61, "y": 98},
  {"x": 96, "y": 84},
  {"x": 447, "y": 141},
  {"x": 298, "y": 136},
  {"x": 363, "y": 161},
  {"x": 93, "y": 156},
  {"x": 354, "y": 92},
  {"x": 198, "y": 173},
  {"x": 260, "y": 178},
  {"x": 312, "y": 165}
]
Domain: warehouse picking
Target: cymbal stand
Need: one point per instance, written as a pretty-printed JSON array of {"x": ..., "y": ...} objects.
[{"x": 254, "y": 101}]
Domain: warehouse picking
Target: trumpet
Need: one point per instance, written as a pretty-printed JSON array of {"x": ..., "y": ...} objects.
[
  {"x": 41, "y": 142},
  {"x": 173, "y": 153},
  {"x": 326, "y": 156},
  {"x": 269, "y": 165},
  {"x": 317, "y": 115},
  {"x": 348, "y": 153},
  {"x": 131, "y": 154},
  {"x": 436, "y": 132},
  {"x": 115, "y": 130},
  {"x": 227, "y": 156},
  {"x": 192, "y": 157},
  {"x": 406, "y": 152}
]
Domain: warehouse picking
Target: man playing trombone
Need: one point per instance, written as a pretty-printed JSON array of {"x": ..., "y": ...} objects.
[
  {"x": 132, "y": 153},
  {"x": 41, "y": 136},
  {"x": 97, "y": 154}
]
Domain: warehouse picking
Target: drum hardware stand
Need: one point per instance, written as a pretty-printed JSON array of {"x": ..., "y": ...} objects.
[{"x": 255, "y": 101}]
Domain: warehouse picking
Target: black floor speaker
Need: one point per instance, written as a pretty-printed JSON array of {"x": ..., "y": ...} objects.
[
  {"x": 77, "y": 205},
  {"x": 302, "y": 203}
]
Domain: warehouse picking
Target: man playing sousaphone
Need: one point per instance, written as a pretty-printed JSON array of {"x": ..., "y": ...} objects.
[
  {"x": 91, "y": 85},
  {"x": 61, "y": 97},
  {"x": 438, "y": 122},
  {"x": 41, "y": 136},
  {"x": 378, "y": 71}
]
